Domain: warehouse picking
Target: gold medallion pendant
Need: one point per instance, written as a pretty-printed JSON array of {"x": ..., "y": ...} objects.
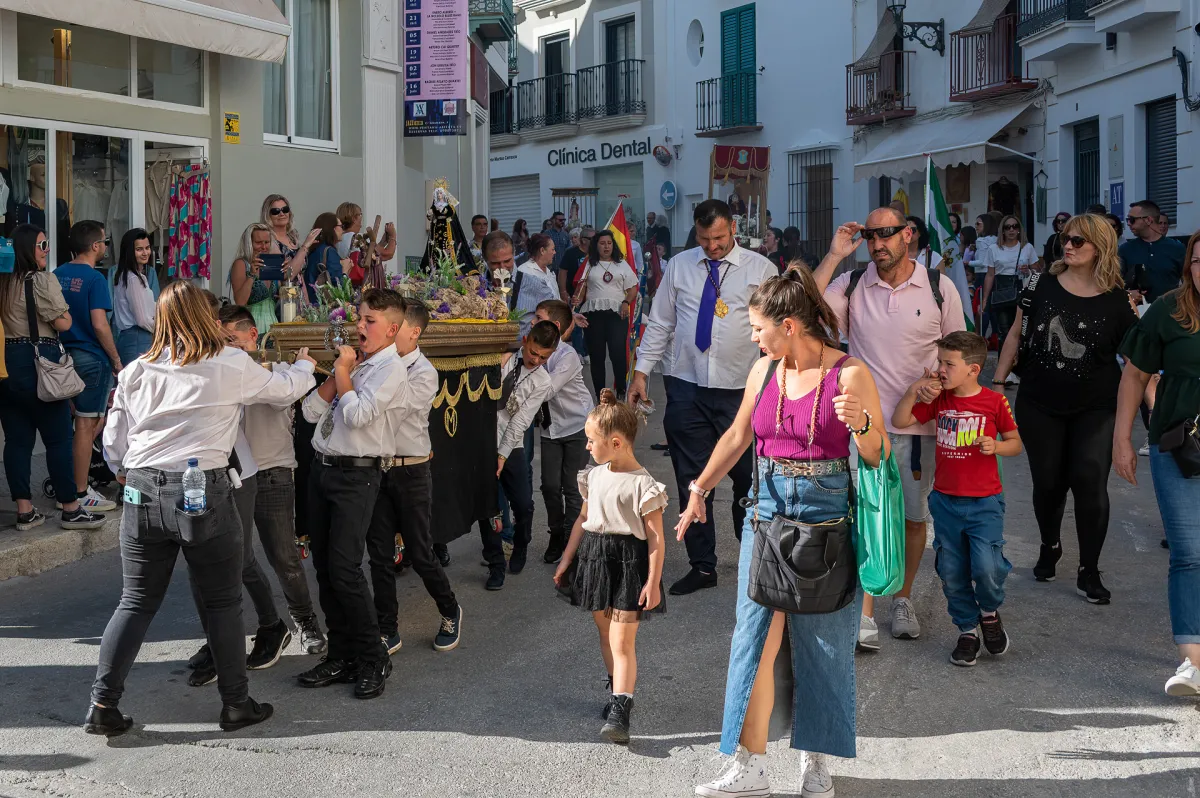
[{"x": 721, "y": 310}]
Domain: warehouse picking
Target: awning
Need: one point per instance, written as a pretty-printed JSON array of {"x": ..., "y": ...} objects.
[
  {"x": 245, "y": 28},
  {"x": 885, "y": 37},
  {"x": 958, "y": 140},
  {"x": 985, "y": 17}
]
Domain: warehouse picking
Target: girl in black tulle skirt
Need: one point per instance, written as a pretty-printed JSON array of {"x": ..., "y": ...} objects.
[{"x": 613, "y": 563}]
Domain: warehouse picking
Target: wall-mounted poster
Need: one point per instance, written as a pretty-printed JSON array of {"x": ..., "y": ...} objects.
[{"x": 436, "y": 83}]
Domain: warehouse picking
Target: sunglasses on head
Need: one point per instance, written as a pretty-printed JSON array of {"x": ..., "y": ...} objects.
[
  {"x": 872, "y": 233},
  {"x": 43, "y": 246},
  {"x": 1012, "y": 227},
  {"x": 281, "y": 211},
  {"x": 1075, "y": 241}
]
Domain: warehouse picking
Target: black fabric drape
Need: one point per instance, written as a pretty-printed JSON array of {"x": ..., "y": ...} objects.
[{"x": 464, "y": 463}]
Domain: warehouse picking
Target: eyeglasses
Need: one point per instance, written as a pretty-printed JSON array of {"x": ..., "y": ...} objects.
[
  {"x": 43, "y": 246},
  {"x": 281, "y": 211},
  {"x": 872, "y": 233},
  {"x": 1075, "y": 241},
  {"x": 1132, "y": 219},
  {"x": 1012, "y": 227}
]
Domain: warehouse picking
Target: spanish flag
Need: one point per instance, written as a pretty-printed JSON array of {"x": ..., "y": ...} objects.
[{"x": 620, "y": 230}]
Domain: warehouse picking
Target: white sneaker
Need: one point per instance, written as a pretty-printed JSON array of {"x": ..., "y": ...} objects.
[
  {"x": 1186, "y": 680},
  {"x": 904, "y": 620},
  {"x": 868, "y": 634},
  {"x": 745, "y": 775},
  {"x": 93, "y": 502},
  {"x": 1144, "y": 451},
  {"x": 818, "y": 783}
]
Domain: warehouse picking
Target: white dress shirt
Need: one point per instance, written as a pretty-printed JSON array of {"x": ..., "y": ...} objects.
[
  {"x": 164, "y": 413},
  {"x": 537, "y": 285},
  {"x": 570, "y": 399},
  {"x": 732, "y": 354},
  {"x": 409, "y": 411},
  {"x": 361, "y": 427},
  {"x": 532, "y": 388},
  {"x": 269, "y": 431}
]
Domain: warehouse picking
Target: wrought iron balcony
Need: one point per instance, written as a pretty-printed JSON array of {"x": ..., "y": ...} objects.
[
  {"x": 987, "y": 62},
  {"x": 500, "y": 109},
  {"x": 492, "y": 20},
  {"x": 727, "y": 105},
  {"x": 546, "y": 102},
  {"x": 879, "y": 90},
  {"x": 613, "y": 89},
  {"x": 1037, "y": 15}
]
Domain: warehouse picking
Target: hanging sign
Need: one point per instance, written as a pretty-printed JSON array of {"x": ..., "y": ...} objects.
[
  {"x": 436, "y": 85},
  {"x": 1116, "y": 198},
  {"x": 233, "y": 127}
]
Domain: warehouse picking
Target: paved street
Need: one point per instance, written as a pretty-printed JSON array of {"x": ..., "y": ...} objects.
[{"x": 1076, "y": 709}]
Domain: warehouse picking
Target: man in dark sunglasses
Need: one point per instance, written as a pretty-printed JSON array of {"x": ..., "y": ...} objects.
[
  {"x": 893, "y": 320},
  {"x": 1151, "y": 263}
]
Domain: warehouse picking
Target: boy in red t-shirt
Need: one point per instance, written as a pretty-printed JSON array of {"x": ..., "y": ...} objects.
[{"x": 974, "y": 426}]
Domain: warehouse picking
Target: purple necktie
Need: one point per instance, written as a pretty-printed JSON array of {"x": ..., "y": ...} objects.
[{"x": 708, "y": 307}]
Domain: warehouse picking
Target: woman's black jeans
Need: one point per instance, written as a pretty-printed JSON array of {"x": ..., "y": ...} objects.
[
  {"x": 1069, "y": 453},
  {"x": 607, "y": 330},
  {"x": 24, "y": 416},
  {"x": 151, "y": 539},
  {"x": 1003, "y": 317}
]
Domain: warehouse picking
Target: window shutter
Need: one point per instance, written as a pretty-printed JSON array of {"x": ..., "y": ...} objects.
[
  {"x": 746, "y": 36},
  {"x": 730, "y": 48},
  {"x": 1161, "y": 157}
]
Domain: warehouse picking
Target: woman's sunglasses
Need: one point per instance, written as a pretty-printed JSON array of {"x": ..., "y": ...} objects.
[
  {"x": 281, "y": 211},
  {"x": 43, "y": 246},
  {"x": 1076, "y": 241},
  {"x": 1012, "y": 227}
]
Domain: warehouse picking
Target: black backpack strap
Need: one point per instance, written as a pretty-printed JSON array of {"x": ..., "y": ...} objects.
[
  {"x": 31, "y": 310},
  {"x": 518, "y": 279},
  {"x": 935, "y": 285},
  {"x": 855, "y": 276}
]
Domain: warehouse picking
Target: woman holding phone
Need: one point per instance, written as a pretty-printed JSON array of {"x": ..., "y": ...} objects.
[{"x": 245, "y": 278}]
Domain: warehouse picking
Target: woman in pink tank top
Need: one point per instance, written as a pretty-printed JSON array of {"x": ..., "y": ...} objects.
[{"x": 803, "y": 402}]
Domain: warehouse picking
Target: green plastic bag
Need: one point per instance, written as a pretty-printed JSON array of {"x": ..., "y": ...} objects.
[{"x": 880, "y": 527}]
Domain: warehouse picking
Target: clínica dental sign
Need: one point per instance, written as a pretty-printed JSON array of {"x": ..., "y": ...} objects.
[{"x": 608, "y": 151}]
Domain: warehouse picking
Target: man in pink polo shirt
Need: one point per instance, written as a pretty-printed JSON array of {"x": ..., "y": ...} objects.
[{"x": 892, "y": 320}]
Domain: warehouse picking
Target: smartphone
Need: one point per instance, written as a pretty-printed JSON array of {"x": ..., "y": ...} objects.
[{"x": 272, "y": 268}]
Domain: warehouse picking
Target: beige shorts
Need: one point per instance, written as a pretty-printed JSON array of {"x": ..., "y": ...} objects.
[{"x": 916, "y": 491}]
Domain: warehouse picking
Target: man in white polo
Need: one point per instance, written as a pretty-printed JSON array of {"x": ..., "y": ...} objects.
[{"x": 893, "y": 312}]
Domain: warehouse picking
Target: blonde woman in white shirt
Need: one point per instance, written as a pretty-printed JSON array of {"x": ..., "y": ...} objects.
[
  {"x": 182, "y": 401},
  {"x": 1007, "y": 261},
  {"x": 608, "y": 288}
]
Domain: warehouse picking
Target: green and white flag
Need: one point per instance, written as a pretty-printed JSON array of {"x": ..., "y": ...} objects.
[{"x": 940, "y": 235}]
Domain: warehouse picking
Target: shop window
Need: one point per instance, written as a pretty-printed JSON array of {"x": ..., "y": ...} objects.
[
  {"x": 169, "y": 73},
  {"x": 93, "y": 184},
  {"x": 299, "y": 94}
]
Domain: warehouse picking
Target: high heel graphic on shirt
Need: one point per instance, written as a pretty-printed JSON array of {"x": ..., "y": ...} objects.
[{"x": 1072, "y": 350}]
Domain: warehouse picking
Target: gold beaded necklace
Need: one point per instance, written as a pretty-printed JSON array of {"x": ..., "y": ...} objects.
[{"x": 812, "y": 424}]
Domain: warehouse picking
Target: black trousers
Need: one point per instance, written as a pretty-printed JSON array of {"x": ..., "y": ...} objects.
[
  {"x": 340, "y": 503},
  {"x": 606, "y": 330},
  {"x": 405, "y": 505},
  {"x": 1069, "y": 453},
  {"x": 695, "y": 420},
  {"x": 514, "y": 480},
  {"x": 562, "y": 460}
]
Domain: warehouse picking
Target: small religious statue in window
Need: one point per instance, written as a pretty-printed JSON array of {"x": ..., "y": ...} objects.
[{"x": 446, "y": 233}]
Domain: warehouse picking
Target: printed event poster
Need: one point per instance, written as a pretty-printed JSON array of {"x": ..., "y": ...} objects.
[{"x": 435, "y": 67}]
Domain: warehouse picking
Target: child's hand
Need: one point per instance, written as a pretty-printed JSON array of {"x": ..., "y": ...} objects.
[
  {"x": 986, "y": 445},
  {"x": 560, "y": 573},
  {"x": 651, "y": 596},
  {"x": 928, "y": 388}
]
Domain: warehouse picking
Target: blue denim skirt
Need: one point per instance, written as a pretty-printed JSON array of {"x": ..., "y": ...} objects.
[{"x": 822, "y": 646}]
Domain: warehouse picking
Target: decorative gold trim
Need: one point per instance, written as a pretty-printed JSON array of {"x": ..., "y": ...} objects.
[
  {"x": 466, "y": 362},
  {"x": 445, "y": 396}
]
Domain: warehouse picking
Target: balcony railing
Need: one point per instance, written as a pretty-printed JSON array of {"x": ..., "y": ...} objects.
[
  {"x": 1037, "y": 15},
  {"x": 986, "y": 63},
  {"x": 493, "y": 20},
  {"x": 613, "y": 89},
  {"x": 727, "y": 102},
  {"x": 544, "y": 102},
  {"x": 878, "y": 91},
  {"x": 500, "y": 108}
]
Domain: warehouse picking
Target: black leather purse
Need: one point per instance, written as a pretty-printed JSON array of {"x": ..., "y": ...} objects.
[
  {"x": 1183, "y": 442},
  {"x": 798, "y": 567}
]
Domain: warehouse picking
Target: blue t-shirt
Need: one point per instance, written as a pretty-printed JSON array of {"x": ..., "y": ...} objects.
[{"x": 85, "y": 290}]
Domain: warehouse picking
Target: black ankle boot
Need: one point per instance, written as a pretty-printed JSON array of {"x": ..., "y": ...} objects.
[
  {"x": 107, "y": 721},
  {"x": 245, "y": 714},
  {"x": 616, "y": 728}
]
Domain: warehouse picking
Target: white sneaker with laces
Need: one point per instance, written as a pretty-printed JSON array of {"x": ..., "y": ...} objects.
[
  {"x": 818, "y": 783},
  {"x": 93, "y": 502},
  {"x": 1186, "y": 681},
  {"x": 745, "y": 775},
  {"x": 868, "y": 634},
  {"x": 905, "y": 625},
  {"x": 1144, "y": 451}
]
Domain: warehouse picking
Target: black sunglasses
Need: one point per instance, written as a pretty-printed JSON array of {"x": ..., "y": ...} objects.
[
  {"x": 872, "y": 233},
  {"x": 1132, "y": 219},
  {"x": 281, "y": 211},
  {"x": 1012, "y": 227},
  {"x": 1075, "y": 241}
]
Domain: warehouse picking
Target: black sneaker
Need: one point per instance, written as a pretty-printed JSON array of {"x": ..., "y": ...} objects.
[
  {"x": 1049, "y": 557},
  {"x": 995, "y": 639},
  {"x": 80, "y": 518},
  {"x": 312, "y": 640},
  {"x": 616, "y": 726},
  {"x": 448, "y": 633},
  {"x": 392, "y": 642},
  {"x": 107, "y": 721},
  {"x": 495, "y": 580},
  {"x": 694, "y": 580},
  {"x": 1090, "y": 587},
  {"x": 442, "y": 552},
  {"x": 269, "y": 643},
  {"x": 554, "y": 551},
  {"x": 516, "y": 560},
  {"x": 329, "y": 671},
  {"x": 29, "y": 520},
  {"x": 200, "y": 657},
  {"x": 965, "y": 653},
  {"x": 204, "y": 674},
  {"x": 246, "y": 714},
  {"x": 372, "y": 678}
]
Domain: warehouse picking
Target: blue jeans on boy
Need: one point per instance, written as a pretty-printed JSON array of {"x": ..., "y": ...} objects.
[
  {"x": 968, "y": 544},
  {"x": 1179, "y": 504}
]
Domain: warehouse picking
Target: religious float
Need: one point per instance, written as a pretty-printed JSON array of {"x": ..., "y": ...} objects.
[
  {"x": 469, "y": 332},
  {"x": 739, "y": 176}
]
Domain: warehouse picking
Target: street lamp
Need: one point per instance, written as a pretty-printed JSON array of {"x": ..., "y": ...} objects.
[{"x": 930, "y": 34}]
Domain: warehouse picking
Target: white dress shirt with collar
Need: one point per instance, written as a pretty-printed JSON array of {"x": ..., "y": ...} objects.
[
  {"x": 727, "y": 362},
  {"x": 165, "y": 413},
  {"x": 361, "y": 425},
  {"x": 409, "y": 411},
  {"x": 532, "y": 388},
  {"x": 570, "y": 399}
]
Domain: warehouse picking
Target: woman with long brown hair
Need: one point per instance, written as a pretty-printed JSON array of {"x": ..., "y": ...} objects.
[
  {"x": 180, "y": 405},
  {"x": 1071, "y": 320},
  {"x": 324, "y": 265},
  {"x": 1167, "y": 340}
]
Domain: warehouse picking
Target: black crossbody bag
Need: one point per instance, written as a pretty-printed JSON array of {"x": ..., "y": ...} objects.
[
  {"x": 1183, "y": 442},
  {"x": 796, "y": 567}
]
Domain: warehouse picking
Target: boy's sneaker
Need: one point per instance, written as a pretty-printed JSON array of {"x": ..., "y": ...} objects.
[
  {"x": 495, "y": 580},
  {"x": 905, "y": 625},
  {"x": 1186, "y": 680},
  {"x": 1090, "y": 587},
  {"x": 312, "y": 640},
  {"x": 442, "y": 552},
  {"x": 269, "y": 643},
  {"x": 29, "y": 520},
  {"x": 391, "y": 642},
  {"x": 200, "y": 657},
  {"x": 92, "y": 501},
  {"x": 966, "y": 652},
  {"x": 744, "y": 776},
  {"x": 448, "y": 634},
  {"x": 516, "y": 560},
  {"x": 868, "y": 634},
  {"x": 995, "y": 639},
  {"x": 616, "y": 725},
  {"x": 554, "y": 551},
  {"x": 1047, "y": 560},
  {"x": 80, "y": 519},
  {"x": 818, "y": 783}
]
